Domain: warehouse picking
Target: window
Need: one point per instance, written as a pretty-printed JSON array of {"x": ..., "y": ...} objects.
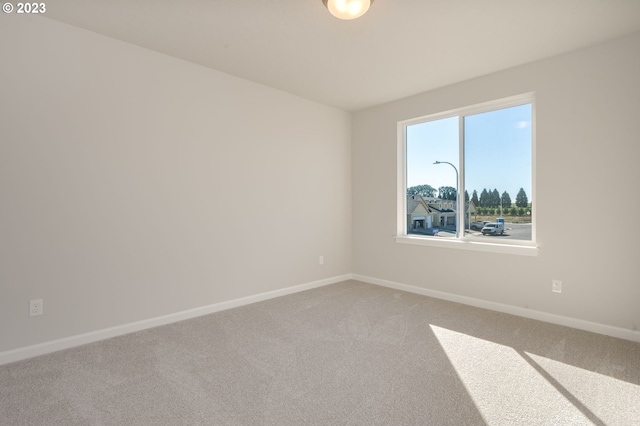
[{"x": 466, "y": 177}]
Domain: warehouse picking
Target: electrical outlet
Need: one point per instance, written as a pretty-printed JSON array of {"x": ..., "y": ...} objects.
[
  {"x": 556, "y": 286},
  {"x": 321, "y": 260},
  {"x": 36, "y": 307}
]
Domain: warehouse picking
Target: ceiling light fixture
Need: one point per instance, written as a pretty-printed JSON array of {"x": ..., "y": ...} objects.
[{"x": 347, "y": 9}]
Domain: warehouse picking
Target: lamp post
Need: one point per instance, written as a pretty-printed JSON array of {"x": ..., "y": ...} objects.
[{"x": 457, "y": 195}]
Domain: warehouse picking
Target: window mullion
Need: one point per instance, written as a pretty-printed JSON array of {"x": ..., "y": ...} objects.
[{"x": 461, "y": 212}]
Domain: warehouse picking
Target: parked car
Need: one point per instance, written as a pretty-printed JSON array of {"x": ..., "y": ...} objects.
[
  {"x": 476, "y": 226},
  {"x": 493, "y": 228}
]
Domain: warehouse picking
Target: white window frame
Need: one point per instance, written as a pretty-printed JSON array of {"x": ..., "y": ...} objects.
[{"x": 518, "y": 247}]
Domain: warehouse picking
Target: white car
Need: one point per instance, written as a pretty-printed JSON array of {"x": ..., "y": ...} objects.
[{"x": 493, "y": 228}]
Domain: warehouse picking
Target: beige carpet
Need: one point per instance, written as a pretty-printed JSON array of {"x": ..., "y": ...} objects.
[{"x": 349, "y": 353}]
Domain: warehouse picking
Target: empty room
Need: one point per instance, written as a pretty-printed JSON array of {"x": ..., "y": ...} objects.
[{"x": 326, "y": 212}]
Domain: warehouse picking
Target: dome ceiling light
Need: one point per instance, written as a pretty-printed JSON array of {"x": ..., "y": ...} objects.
[{"x": 347, "y": 9}]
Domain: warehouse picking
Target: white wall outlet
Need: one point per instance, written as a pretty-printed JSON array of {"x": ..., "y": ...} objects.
[
  {"x": 556, "y": 286},
  {"x": 321, "y": 260},
  {"x": 36, "y": 307}
]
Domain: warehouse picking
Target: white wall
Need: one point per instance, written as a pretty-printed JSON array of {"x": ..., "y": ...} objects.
[
  {"x": 134, "y": 185},
  {"x": 588, "y": 153}
]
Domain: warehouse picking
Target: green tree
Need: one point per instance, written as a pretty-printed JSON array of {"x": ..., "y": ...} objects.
[
  {"x": 484, "y": 198},
  {"x": 474, "y": 198},
  {"x": 495, "y": 198},
  {"x": 506, "y": 200},
  {"x": 521, "y": 199},
  {"x": 447, "y": 193},
  {"x": 423, "y": 190}
]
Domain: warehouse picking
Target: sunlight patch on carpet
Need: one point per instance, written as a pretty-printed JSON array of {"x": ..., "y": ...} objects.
[
  {"x": 506, "y": 388},
  {"x": 613, "y": 401}
]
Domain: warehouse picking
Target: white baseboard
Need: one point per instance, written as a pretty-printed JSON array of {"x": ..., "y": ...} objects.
[
  {"x": 593, "y": 327},
  {"x": 94, "y": 336}
]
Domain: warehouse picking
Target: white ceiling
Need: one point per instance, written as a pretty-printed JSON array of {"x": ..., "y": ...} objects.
[{"x": 399, "y": 48}]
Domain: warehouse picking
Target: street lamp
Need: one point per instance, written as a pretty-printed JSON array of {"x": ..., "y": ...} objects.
[{"x": 457, "y": 195}]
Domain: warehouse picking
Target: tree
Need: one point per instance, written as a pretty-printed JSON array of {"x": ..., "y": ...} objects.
[
  {"x": 447, "y": 193},
  {"x": 506, "y": 200},
  {"x": 495, "y": 198},
  {"x": 521, "y": 199},
  {"x": 466, "y": 196},
  {"x": 474, "y": 198},
  {"x": 484, "y": 198},
  {"x": 423, "y": 190}
]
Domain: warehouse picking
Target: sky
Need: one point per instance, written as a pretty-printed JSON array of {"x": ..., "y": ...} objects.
[{"x": 497, "y": 152}]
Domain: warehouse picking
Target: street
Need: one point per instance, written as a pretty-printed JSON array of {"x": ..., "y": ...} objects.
[{"x": 514, "y": 231}]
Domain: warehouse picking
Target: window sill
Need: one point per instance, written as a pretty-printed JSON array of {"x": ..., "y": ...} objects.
[{"x": 522, "y": 250}]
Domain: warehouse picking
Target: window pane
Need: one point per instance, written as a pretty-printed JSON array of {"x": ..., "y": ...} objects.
[
  {"x": 431, "y": 188},
  {"x": 498, "y": 173}
]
